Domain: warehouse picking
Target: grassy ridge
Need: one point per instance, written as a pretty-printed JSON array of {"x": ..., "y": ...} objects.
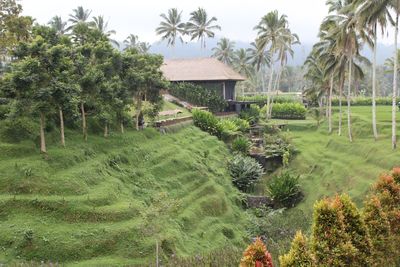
[
  {"x": 108, "y": 200},
  {"x": 330, "y": 164}
]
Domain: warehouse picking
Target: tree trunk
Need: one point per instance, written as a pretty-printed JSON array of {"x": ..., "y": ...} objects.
[
  {"x": 330, "y": 105},
  {"x": 269, "y": 91},
  {"x": 61, "y": 126},
  {"x": 122, "y": 127},
  {"x": 394, "y": 93},
  {"x": 106, "y": 130},
  {"x": 375, "y": 131},
  {"x": 348, "y": 100},
  {"x": 340, "y": 106},
  {"x": 84, "y": 127},
  {"x": 42, "y": 138}
]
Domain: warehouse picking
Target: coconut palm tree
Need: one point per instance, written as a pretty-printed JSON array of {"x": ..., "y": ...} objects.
[
  {"x": 58, "y": 24},
  {"x": 79, "y": 15},
  {"x": 272, "y": 29},
  {"x": 259, "y": 59},
  {"x": 100, "y": 24},
  {"x": 242, "y": 62},
  {"x": 172, "y": 27},
  {"x": 224, "y": 51},
  {"x": 201, "y": 27},
  {"x": 372, "y": 14},
  {"x": 132, "y": 41}
]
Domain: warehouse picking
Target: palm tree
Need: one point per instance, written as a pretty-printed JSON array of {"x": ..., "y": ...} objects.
[
  {"x": 396, "y": 6},
  {"x": 242, "y": 63},
  {"x": 259, "y": 58},
  {"x": 100, "y": 24},
  {"x": 224, "y": 51},
  {"x": 271, "y": 31},
  {"x": 132, "y": 41},
  {"x": 372, "y": 14},
  {"x": 172, "y": 27},
  {"x": 200, "y": 27},
  {"x": 58, "y": 24},
  {"x": 144, "y": 47},
  {"x": 79, "y": 15}
]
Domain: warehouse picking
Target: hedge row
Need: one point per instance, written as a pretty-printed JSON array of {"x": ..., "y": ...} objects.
[
  {"x": 198, "y": 95},
  {"x": 365, "y": 101},
  {"x": 275, "y": 99},
  {"x": 289, "y": 111}
]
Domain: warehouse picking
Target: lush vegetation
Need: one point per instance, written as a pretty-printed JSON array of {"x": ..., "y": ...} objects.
[
  {"x": 108, "y": 201},
  {"x": 245, "y": 172},
  {"x": 284, "y": 189},
  {"x": 365, "y": 101},
  {"x": 198, "y": 95},
  {"x": 262, "y": 99},
  {"x": 289, "y": 111}
]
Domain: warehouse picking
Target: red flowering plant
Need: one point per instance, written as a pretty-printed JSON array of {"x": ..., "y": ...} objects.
[{"x": 256, "y": 255}]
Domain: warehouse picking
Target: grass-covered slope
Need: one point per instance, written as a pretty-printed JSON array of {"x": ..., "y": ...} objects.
[{"x": 107, "y": 201}]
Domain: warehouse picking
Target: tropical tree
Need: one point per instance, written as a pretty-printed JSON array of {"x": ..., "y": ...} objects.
[
  {"x": 259, "y": 59},
  {"x": 79, "y": 14},
  {"x": 201, "y": 27},
  {"x": 102, "y": 25},
  {"x": 372, "y": 14},
  {"x": 224, "y": 51},
  {"x": 58, "y": 24},
  {"x": 272, "y": 30},
  {"x": 172, "y": 27},
  {"x": 241, "y": 62},
  {"x": 132, "y": 41}
]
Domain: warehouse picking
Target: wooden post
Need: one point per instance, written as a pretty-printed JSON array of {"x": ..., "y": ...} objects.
[{"x": 223, "y": 90}]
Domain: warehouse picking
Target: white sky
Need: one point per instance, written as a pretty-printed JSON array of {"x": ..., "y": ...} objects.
[{"x": 236, "y": 17}]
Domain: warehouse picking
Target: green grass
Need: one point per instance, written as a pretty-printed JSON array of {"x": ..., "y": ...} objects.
[
  {"x": 171, "y": 106},
  {"x": 330, "y": 164},
  {"x": 107, "y": 201}
]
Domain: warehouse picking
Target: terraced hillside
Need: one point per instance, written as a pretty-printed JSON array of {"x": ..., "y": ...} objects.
[{"x": 107, "y": 201}]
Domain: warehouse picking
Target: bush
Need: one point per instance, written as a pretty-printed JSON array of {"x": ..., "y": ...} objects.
[
  {"x": 245, "y": 171},
  {"x": 284, "y": 189},
  {"x": 252, "y": 115},
  {"x": 241, "y": 145},
  {"x": 365, "y": 101},
  {"x": 299, "y": 254},
  {"x": 289, "y": 111},
  {"x": 19, "y": 129},
  {"x": 256, "y": 254},
  {"x": 276, "y": 146},
  {"x": 277, "y": 99},
  {"x": 207, "y": 122},
  {"x": 198, "y": 95},
  {"x": 228, "y": 129},
  {"x": 243, "y": 125}
]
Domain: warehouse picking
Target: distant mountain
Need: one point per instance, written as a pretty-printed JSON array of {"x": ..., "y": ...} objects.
[{"x": 192, "y": 50}]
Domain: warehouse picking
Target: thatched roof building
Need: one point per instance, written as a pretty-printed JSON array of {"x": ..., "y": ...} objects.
[{"x": 207, "y": 72}]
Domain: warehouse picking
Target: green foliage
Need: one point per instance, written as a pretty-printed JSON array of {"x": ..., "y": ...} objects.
[
  {"x": 365, "y": 101},
  {"x": 262, "y": 99},
  {"x": 284, "y": 189},
  {"x": 198, "y": 95},
  {"x": 299, "y": 254},
  {"x": 229, "y": 129},
  {"x": 245, "y": 171},
  {"x": 207, "y": 122},
  {"x": 243, "y": 125},
  {"x": 289, "y": 111},
  {"x": 241, "y": 145},
  {"x": 19, "y": 129},
  {"x": 252, "y": 115},
  {"x": 278, "y": 146}
]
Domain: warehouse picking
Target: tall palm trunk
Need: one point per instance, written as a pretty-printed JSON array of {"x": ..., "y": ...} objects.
[
  {"x": 269, "y": 91},
  {"x": 348, "y": 100},
  {"x": 340, "y": 105},
  {"x": 330, "y": 104},
  {"x": 42, "y": 138},
  {"x": 395, "y": 84},
  {"x": 61, "y": 126},
  {"x": 122, "y": 127},
  {"x": 374, "y": 86},
  {"x": 84, "y": 126}
]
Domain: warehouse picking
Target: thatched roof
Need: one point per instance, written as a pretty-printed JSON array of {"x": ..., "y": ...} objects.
[{"x": 198, "y": 69}]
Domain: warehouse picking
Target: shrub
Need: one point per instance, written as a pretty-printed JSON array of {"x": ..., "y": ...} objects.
[
  {"x": 252, "y": 115},
  {"x": 245, "y": 171},
  {"x": 241, "y": 145},
  {"x": 277, "y": 146},
  {"x": 243, "y": 125},
  {"x": 228, "y": 129},
  {"x": 290, "y": 111},
  {"x": 299, "y": 254},
  {"x": 198, "y": 95},
  {"x": 284, "y": 189},
  {"x": 19, "y": 129},
  {"x": 256, "y": 254},
  {"x": 276, "y": 99},
  {"x": 207, "y": 122},
  {"x": 365, "y": 101}
]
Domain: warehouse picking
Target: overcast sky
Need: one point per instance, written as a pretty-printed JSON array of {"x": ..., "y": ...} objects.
[{"x": 236, "y": 17}]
